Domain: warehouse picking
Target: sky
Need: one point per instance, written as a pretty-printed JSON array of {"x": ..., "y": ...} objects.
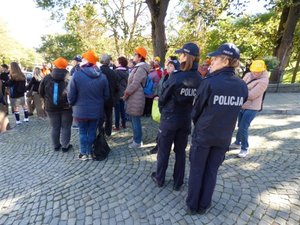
[{"x": 27, "y": 23}]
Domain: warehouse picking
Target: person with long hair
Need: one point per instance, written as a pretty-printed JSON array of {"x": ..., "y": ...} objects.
[
  {"x": 34, "y": 97},
  {"x": 217, "y": 104},
  {"x": 17, "y": 88},
  {"x": 175, "y": 105}
]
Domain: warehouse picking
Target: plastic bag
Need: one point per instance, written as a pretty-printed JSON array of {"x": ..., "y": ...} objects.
[{"x": 155, "y": 111}]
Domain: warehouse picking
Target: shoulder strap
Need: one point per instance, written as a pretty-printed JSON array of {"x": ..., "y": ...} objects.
[{"x": 251, "y": 81}]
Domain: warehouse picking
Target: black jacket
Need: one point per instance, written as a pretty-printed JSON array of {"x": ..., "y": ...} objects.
[
  {"x": 16, "y": 88},
  {"x": 46, "y": 90},
  {"x": 112, "y": 82},
  {"x": 218, "y": 102},
  {"x": 122, "y": 75},
  {"x": 175, "y": 102},
  {"x": 34, "y": 84}
]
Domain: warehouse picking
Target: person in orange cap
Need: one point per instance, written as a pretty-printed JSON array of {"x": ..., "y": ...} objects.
[
  {"x": 134, "y": 95},
  {"x": 53, "y": 89},
  {"x": 87, "y": 92}
]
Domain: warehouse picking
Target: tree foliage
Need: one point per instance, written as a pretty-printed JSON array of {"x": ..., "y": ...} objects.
[
  {"x": 54, "y": 46},
  {"x": 12, "y": 50}
]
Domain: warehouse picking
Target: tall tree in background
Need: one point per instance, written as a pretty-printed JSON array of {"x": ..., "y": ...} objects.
[
  {"x": 122, "y": 18},
  {"x": 288, "y": 22},
  {"x": 158, "y": 10}
]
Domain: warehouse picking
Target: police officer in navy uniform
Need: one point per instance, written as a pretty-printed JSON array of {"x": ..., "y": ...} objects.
[
  {"x": 217, "y": 104},
  {"x": 175, "y": 105}
]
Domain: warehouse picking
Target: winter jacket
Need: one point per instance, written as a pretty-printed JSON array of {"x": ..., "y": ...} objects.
[
  {"x": 176, "y": 100},
  {"x": 16, "y": 88},
  {"x": 219, "y": 99},
  {"x": 34, "y": 84},
  {"x": 112, "y": 79},
  {"x": 122, "y": 74},
  {"x": 47, "y": 90},
  {"x": 256, "y": 88},
  {"x": 134, "y": 93},
  {"x": 87, "y": 91}
]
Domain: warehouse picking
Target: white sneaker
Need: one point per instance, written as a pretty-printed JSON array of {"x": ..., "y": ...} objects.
[
  {"x": 234, "y": 146},
  {"x": 82, "y": 157},
  {"x": 243, "y": 153},
  {"x": 89, "y": 157},
  {"x": 135, "y": 145},
  {"x": 18, "y": 122},
  {"x": 26, "y": 120}
]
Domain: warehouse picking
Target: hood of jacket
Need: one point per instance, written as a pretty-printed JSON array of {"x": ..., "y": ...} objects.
[
  {"x": 59, "y": 74},
  {"x": 91, "y": 71},
  {"x": 143, "y": 65}
]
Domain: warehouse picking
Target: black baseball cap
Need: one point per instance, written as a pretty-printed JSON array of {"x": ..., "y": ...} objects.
[
  {"x": 77, "y": 58},
  {"x": 227, "y": 49},
  {"x": 189, "y": 48}
]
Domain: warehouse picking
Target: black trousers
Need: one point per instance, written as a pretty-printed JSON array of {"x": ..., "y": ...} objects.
[
  {"x": 205, "y": 161},
  {"x": 108, "y": 108},
  {"x": 177, "y": 134}
]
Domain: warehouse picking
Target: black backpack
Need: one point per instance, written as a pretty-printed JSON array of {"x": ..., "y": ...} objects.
[{"x": 56, "y": 94}]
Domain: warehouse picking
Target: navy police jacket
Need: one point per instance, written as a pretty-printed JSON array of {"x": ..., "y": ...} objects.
[
  {"x": 217, "y": 104},
  {"x": 176, "y": 99}
]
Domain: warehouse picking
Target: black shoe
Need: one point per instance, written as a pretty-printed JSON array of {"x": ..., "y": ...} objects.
[
  {"x": 175, "y": 188},
  {"x": 67, "y": 149},
  {"x": 153, "y": 150},
  {"x": 153, "y": 176},
  {"x": 57, "y": 148},
  {"x": 191, "y": 211}
]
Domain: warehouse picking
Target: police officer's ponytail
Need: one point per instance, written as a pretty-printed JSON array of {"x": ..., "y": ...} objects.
[
  {"x": 188, "y": 64},
  {"x": 232, "y": 62}
]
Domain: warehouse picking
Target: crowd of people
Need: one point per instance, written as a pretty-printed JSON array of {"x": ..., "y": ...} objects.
[{"x": 210, "y": 97}]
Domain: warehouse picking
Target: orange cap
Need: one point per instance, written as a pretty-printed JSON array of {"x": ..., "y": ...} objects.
[
  {"x": 90, "y": 56},
  {"x": 141, "y": 51},
  {"x": 60, "y": 63}
]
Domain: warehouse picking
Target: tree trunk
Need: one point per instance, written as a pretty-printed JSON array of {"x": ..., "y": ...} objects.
[
  {"x": 158, "y": 11},
  {"x": 296, "y": 69},
  {"x": 285, "y": 47}
]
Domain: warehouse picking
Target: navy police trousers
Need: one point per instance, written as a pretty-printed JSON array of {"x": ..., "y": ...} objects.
[
  {"x": 169, "y": 134},
  {"x": 205, "y": 161}
]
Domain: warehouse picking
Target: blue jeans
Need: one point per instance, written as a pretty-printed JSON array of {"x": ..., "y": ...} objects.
[
  {"x": 137, "y": 129},
  {"x": 120, "y": 110},
  {"x": 244, "y": 120},
  {"x": 87, "y": 135}
]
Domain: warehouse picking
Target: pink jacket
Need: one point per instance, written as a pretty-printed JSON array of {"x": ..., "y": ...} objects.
[{"x": 256, "y": 90}]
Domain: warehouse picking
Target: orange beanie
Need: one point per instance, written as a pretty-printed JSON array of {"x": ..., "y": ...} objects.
[
  {"x": 142, "y": 51},
  {"x": 90, "y": 56},
  {"x": 60, "y": 63}
]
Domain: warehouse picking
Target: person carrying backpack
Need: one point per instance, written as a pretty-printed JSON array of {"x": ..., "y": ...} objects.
[
  {"x": 257, "y": 82},
  {"x": 53, "y": 88}
]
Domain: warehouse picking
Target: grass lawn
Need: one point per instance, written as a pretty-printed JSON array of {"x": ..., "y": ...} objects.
[{"x": 287, "y": 77}]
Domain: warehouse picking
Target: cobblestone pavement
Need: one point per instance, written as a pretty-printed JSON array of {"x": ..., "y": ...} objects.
[{"x": 40, "y": 186}]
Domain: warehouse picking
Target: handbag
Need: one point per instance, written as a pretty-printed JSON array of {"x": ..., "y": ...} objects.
[{"x": 155, "y": 111}]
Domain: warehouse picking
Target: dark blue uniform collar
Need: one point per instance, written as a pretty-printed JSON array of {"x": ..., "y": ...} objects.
[{"x": 229, "y": 70}]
